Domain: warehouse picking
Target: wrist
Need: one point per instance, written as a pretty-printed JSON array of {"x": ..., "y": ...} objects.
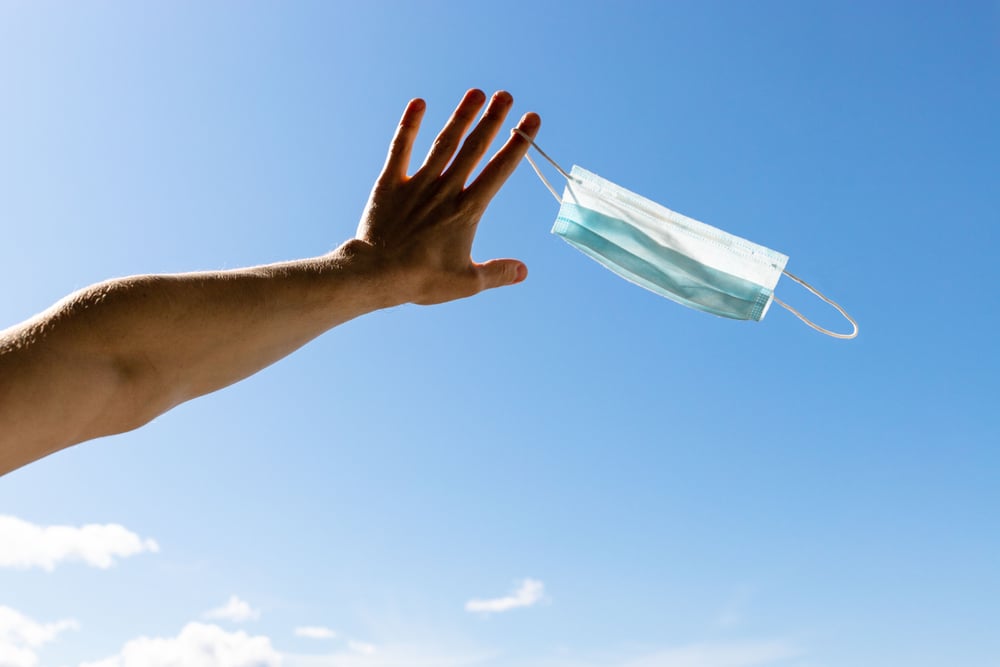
[{"x": 382, "y": 283}]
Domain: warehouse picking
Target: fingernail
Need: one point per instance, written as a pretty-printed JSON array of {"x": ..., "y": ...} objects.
[
  {"x": 521, "y": 273},
  {"x": 530, "y": 121},
  {"x": 475, "y": 95},
  {"x": 503, "y": 97}
]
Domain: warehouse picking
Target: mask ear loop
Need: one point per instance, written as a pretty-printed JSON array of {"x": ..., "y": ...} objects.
[
  {"x": 535, "y": 166},
  {"x": 829, "y": 301}
]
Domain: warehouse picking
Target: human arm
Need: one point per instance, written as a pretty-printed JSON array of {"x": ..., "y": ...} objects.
[{"x": 115, "y": 355}]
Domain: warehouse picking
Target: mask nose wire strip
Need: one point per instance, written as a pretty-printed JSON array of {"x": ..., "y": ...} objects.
[
  {"x": 829, "y": 301},
  {"x": 535, "y": 166}
]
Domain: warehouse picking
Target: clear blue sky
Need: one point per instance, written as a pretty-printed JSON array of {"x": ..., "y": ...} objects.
[{"x": 690, "y": 491}]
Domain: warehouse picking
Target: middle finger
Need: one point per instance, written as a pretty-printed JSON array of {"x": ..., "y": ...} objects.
[
  {"x": 447, "y": 141},
  {"x": 479, "y": 141}
]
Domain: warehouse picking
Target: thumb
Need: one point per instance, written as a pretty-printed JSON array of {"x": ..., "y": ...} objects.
[{"x": 501, "y": 272}]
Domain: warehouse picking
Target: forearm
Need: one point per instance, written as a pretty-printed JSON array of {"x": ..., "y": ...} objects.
[
  {"x": 114, "y": 356},
  {"x": 191, "y": 334}
]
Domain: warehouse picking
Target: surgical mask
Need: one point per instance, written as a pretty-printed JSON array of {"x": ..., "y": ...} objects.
[{"x": 675, "y": 256}]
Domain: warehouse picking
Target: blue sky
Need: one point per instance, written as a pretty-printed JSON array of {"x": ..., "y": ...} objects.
[{"x": 631, "y": 483}]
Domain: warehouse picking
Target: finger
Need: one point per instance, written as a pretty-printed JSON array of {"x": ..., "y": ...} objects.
[
  {"x": 451, "y": 136},
  {"x": 397, "y": 163},
  {"x": 500, "y": 272},
  {"x": 476, "y": 144},
  {"x": 505, "y": 161}
]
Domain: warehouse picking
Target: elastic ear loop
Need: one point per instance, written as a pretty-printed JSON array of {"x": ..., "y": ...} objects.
[
  {"x": 781, "y": 303},
  {"x": 829, "y": 301},
  {"x": 535, "y": 166}
]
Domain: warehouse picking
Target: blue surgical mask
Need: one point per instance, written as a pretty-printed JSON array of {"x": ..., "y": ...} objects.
[{"x": 675, "y": 256}]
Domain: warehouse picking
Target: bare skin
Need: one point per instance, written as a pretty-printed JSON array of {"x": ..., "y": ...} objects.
[{"x": 113, "y": 356}]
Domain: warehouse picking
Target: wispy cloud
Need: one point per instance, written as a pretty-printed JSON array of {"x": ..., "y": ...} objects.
[
  {"x": 197, "y": 645},
  {"x": 746, "y": 654},
  {"x": 732, "y": 613},
  {"x": 207, "y": 645},
  {"x": 528, "y": 593},
  {"x": 749, "y": 654},
  {"x": 315, "y": 632},
  {"x": 235, "y": 610},
  {"x": 363, "y": 648},
  {"x": 25, "y": 545},
  {"x": 393, "y": 655},
  {"x": 21, "y": 637}
]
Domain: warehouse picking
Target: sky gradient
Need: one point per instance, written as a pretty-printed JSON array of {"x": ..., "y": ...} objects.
[{"x": 570, "y": 471}]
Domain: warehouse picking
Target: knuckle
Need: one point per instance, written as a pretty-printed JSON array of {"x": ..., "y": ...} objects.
[
  {"x": 471, "y": 208},
  {"x": 444, "y": 141},
  {"x": 399, "y": 143},
  {"x": 475, "y": 143}
]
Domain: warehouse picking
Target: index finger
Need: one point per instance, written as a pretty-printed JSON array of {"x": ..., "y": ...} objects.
[
  {"x": 505, "y": 161},
  {"x": 397, "y": 163}
]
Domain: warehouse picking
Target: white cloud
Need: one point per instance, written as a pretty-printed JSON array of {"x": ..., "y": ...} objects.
[
  {"x": 410, "y": 655},
  {"x": 755, "y": 654},
  {"x": 24, "y": 545},
  {"x": 528, "y": 594},
  {"x": 361, "y": 647},
  {"x": 197, "y": 645},
  {"x": 315, "y": 632},
  {"x": 205, "y": 645},
  {"x": 20, "y": 637},
  {"x": 235, "y": 610},
  {"x": 200, "y": 645}
]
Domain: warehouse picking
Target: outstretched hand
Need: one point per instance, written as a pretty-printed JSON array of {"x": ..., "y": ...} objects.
[{"x": 422, "y": 227}]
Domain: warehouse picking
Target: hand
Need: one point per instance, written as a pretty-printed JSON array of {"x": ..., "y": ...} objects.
[{"x": 421, "y": 227}]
